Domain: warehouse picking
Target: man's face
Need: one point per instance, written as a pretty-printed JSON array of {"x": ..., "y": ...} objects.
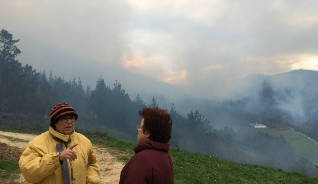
[
  {"x": 66, "y": 125},
  {"x": 142, "y": 136}
]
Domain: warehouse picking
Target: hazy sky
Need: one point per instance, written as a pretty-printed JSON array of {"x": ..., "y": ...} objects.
[{"x": 197, "y": 47}]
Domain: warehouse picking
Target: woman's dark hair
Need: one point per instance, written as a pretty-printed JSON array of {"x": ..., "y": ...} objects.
[{"x": 158, "y": 123}]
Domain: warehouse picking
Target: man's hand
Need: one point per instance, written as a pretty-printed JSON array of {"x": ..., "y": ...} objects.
[{"x": 69, "y": 153}]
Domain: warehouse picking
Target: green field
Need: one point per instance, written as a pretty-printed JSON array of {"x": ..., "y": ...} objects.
[
  {"x": 302, "y": 144},
  {"x": 196, "y": 169},
  {"x": 193, "y": 168}
]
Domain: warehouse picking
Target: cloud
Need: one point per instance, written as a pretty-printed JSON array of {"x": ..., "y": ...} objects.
[
  {"x": 176, "y": 78},
  {"x": 212, "y": 68},
  {"x": 157, "y": 67},
  {"x": 284, "y": 62},
  {"x": 135, "y": 62},
  {"x": 236, "y": 40},
  {"x": 87, "y": 29},
  {"x": 201, "y": 45},
  {"x": 309, "y": 62},
  {"x": 195, "y": 11}
]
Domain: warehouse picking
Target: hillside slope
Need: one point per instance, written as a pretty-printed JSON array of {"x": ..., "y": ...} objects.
[
  {"x": 303, "y": 145},
  {"x": 196, "y": 168}
]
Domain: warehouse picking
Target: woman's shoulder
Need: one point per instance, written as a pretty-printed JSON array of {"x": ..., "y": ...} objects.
[
  {"x": 81, "y": 138},
  {"x": 40, "y": 139}
]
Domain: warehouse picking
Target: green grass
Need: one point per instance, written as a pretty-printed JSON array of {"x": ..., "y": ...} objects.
[
  {"x": 8, "y": 169},
  {"x": 303, "y": 145},
  {"x": 193, "y": 168}
]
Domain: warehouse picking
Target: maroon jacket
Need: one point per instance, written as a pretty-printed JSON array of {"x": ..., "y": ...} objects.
[{"x": 151, "y": 165}]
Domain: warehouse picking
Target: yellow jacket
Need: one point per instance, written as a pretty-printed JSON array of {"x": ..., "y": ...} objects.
[{"x": 39, "y": 163}]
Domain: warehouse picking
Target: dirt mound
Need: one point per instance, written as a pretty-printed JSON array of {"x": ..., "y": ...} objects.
[{"x": 9, "y": 152}]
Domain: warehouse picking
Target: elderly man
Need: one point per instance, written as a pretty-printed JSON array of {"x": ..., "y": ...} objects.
[
  {"x": 60, "y": 155},
  {"x": 152, "y": 163}
]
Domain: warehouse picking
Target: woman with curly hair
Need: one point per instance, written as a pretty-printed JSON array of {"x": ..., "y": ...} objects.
[{"x": 152, "y": 163}]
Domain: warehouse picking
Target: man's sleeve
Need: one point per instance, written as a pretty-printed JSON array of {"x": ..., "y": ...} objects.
[
  {"x": 35, "y": 165},
  {"x": 93, "y": 175}
]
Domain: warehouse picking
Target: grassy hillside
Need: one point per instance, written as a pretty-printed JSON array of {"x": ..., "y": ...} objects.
[
  {"x": 196, "y": 168},
  {"x": 193, "y": 168},
  {"x": 302, "y": 144}
]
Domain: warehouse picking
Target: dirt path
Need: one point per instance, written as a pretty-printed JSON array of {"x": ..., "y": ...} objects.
[{"x": 110, "y": 166}]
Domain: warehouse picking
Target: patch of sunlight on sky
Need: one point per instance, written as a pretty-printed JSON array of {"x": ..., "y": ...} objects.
[{"x": 307, "y": 63}]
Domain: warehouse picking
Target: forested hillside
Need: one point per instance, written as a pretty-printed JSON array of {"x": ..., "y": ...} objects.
[{"x": 26, "y": 96}]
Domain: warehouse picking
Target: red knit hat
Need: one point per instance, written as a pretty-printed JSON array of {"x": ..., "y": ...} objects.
[{"x": 59, "y": 110}]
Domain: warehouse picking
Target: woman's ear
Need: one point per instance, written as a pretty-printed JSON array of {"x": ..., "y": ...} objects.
[{"x": 147, "y": 134}]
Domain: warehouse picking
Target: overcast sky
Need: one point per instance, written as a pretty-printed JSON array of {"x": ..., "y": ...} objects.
[{"x": 199, "y": 48}]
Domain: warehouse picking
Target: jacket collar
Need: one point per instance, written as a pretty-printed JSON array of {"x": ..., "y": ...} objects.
[
  {"x": 57, "y": 134},
  {"x": 149, "y": 144}
]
